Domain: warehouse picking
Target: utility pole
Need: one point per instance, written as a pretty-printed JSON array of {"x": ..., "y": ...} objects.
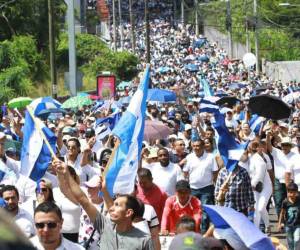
[
  {"x": 121, "y": 25},
  {"x": 114, "y": 25},
  {"x": 72, "y": 49},
  {"x": 247, "y": 28},
  {"x": 256, "y": 36},
  {"x": 131, "y": 26},
  {"x": 229, "y": 27},
  {"x": 174, "y": 11},
  {"x": 52, "y": 50},
  {"x": 147, "y": 31},
  {"x": 196, "y": 18},
  {"x": 182, "y": 12}
]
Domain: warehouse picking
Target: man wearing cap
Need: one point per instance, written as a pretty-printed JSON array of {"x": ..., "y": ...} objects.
[
  {"x": 165, "y": 174},
  {"x": 284, "y": 162},
  {"x": 178, "y": 205},
  {"x": 201, "y": 170}
]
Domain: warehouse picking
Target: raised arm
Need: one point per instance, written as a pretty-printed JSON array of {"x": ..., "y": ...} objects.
[{"x": 74, "y": 190}]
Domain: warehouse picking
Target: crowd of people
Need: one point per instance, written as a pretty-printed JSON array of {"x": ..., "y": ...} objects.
[{"x": 70, "y": 207}]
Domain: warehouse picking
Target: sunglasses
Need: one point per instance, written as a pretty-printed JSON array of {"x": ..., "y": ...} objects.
[{"x": 50, "y": 225}]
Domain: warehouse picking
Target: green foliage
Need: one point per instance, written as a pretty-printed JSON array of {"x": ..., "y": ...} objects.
[
  {"x": 93, "y": 56},
  {"x": 20, "y": 66},
  {"x": 29, "y": 17},
  {"x": 278, "y": 26}
]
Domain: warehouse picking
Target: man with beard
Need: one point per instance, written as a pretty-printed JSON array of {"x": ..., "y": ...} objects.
[
  {"x": 21, "y": 217},
  {"x": 116, "y": 232}
]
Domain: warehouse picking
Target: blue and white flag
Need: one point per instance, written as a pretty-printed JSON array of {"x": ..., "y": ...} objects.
[
  {"x": 230, "y": 150},
  {"x": 208, "y": 104},
  {"x": 256, "y": 122},
  {"x": 246, "y": 232},
  {"x": 121, "y": 174},
  {"x": 35, "y": 155}
]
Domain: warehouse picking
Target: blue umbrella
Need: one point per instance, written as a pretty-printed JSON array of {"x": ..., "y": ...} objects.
[
  {"x": 44, "y": 103},
  {"x": 191, "y": 67},
  {"x": 236, "y": 85},
  {"x": 161, "y": 95},
  {"x": 163, "y": 70},
  {"x": 203, "y": 58},
  {"x": 199, "y": 43},
  {"x": 44, "y": 114},
  {"x": 225, "y": 217},
  {"x": 220, "y": 93}
]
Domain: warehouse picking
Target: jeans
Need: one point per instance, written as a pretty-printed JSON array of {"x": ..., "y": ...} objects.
[
  {"x": 293, "y": 237},
  {"x": 279, "y": 195},
  {"x": 206, "y": 196}
]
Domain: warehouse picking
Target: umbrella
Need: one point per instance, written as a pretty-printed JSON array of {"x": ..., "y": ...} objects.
[
  {"x": 191, "y": 67},
  {"x": 44, "y": 103},
  {"x": 77, "y": 102},
  {"x": 161, "y": 95},
  {"x": 236, "y": 85},
  {"x": 163, "y": 70},
  {"x": 270, "y": 107},
  {"x": 155, "y": 130},
  {"x": 19, "y": 102},
  {"x": 44, "y": 114},
  {"x": 250, "y": 235},
  {"x": 203, "y": 58},
  {"x": 221, "y": 93},
  {"x": 230, "y": 100}
]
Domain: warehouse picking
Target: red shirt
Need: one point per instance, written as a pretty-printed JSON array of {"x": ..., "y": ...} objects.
[
  {"x": 173, "y": 211},
  {"x": 154, "y": 197}
]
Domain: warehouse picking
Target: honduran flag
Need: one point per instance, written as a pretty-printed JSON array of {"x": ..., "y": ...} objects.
[
  {"x": 120, "y": 176},
  {"x": 35, "y": 155}
]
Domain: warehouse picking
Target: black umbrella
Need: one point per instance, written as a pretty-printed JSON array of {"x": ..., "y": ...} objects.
[
  {"x": 229, "y": 100},
  {"x": 270, "y": 107}
]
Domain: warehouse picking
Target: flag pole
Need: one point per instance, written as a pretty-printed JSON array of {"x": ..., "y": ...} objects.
[
  {"x": 38, "y": 127},
  {"x": 117, "y": 144}
]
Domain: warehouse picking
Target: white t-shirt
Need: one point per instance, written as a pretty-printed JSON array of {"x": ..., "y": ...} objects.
[
  {"x": 294, "y": 169},
  {"x": 65, "y": 244},
  {"x": 166, "y": 177},
  {"x": 70, "y": 212},
  {"x": 26, "y": 188},
  {"x": 200, "y": 169},
  {"x": 150, "y": 216},
  {"x": 258, "y": 170},
  {"x": 86, "y": 172},
  {"x": 25, "y": 222},
  {"x": 281, "y": 162}
]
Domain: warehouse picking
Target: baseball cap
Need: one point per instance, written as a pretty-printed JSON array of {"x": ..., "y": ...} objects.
[
  {"x": 193, "y": 241},
  {"x": 93, "y": 182},
  {"x": 286, "y": 140},
  {"x": 187, "y": 127},
  {"x": 182, "y": 185},
  {"x": 51, "y": 125},
  {"x": 47, "y": 182}
]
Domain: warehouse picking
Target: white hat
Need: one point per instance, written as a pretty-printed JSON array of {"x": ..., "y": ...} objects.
[
  {"x": 51, "y": 125},
  {"x": 286, "y": 140},
  {"x": 187, "y": 127},
  {"x": 93, "y": 182}
]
